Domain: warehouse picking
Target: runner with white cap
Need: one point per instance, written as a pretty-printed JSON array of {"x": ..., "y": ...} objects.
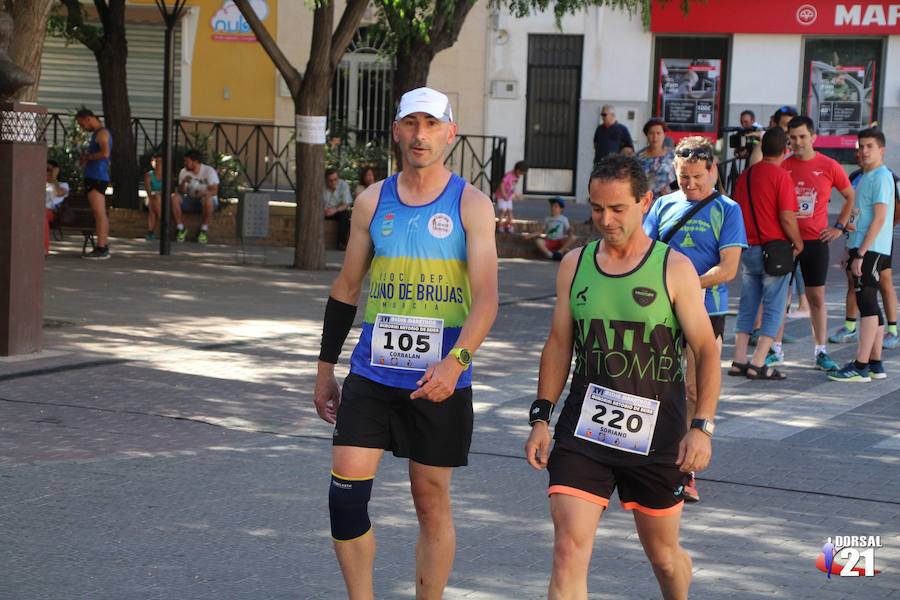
[{"x": 426, "y": 238}]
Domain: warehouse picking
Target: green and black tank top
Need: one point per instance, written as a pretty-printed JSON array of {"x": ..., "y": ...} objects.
[{"x": 627, "y": 338}]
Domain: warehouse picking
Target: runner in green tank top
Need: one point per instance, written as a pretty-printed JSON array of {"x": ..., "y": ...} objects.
[{"x": 624, "y": 306}]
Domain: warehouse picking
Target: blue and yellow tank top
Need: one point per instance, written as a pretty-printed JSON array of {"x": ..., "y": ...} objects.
[{"x": 419, "y": 294}]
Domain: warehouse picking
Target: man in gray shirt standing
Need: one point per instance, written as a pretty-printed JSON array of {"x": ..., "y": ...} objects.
[{"x": 337, "y": 201}]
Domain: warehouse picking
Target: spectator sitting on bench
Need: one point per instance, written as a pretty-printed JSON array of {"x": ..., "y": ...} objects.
[
  {"x": 337, "y": 201},
  {"x": 558, "y": 237},
  {"x": 56, "y": 193},
  {"x": 198, "y": 189},
  {"x": 153, "y": 187}
]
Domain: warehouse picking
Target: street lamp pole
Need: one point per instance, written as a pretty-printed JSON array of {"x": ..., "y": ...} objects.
[{"x": 170, "y": 17}]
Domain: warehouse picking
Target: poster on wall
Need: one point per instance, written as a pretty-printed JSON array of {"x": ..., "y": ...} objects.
[
  {"x": 689, "y": 91},
  {"x": 841, "y": 99}
]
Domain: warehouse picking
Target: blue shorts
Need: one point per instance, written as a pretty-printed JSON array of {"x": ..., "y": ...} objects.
[
  {"x": 758, "y": 287},
  {"x": 194, "y": 204}
]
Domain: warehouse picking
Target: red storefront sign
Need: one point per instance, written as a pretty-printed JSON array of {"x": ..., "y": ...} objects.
[{"x": 778, "y": 16}]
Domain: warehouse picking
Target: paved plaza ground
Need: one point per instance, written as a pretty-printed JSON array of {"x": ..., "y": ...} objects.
[{"x": 165, "y": 446}]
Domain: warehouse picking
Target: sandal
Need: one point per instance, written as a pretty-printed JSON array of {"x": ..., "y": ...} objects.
[
  {"x": 764, "y": 372},
  {"x": 738, "y": 369}
]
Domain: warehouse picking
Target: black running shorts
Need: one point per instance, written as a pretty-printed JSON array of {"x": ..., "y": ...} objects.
[
  {"x": 718, "y": 325},
  {"x": 653, "y": 489},
  {"x": 95, "y": 185},
  {"x": 872, "y": 266},
  {"x": 814, "y": 263},
  {"x": 372, "y": 415}
]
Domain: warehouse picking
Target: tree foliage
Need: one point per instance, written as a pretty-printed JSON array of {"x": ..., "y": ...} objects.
[{"x": 561, "y": 8}]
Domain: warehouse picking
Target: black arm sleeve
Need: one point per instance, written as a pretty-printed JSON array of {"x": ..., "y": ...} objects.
[{"x": 338, "y": 321}]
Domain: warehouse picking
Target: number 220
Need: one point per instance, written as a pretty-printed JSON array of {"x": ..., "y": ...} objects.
[{"x": 633, "y": 423}]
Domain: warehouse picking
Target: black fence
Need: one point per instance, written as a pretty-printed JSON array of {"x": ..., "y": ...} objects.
[
  {"x": 729, "y": 171},
  {"x": 266, "y": 152}
]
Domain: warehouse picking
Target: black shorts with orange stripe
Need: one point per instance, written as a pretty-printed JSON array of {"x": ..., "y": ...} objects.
[{"x": 653, "y": 489}]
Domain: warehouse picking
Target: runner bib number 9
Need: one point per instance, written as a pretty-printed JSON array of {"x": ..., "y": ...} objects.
[
  {"x": 617, "y": 420},
  {"x": 806, "y": 204},
  {"x": 408, "y": 343}
]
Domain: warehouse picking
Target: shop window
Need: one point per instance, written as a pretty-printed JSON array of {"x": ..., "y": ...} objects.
[
  {"x": 690, "y": 81},
  {"x": 841, "y": 83}
]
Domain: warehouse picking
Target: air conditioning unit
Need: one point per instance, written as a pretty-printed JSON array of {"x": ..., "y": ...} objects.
[{"x": 504, "y": 88}]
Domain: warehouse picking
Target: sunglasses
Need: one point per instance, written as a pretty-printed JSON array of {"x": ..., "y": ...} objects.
[
  {"x": 695, "y": 153},
  {"x": 603, "y": 115}
]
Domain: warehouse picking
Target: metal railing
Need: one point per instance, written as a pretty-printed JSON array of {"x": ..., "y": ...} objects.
[
  {"x": 480, "y": 159},
  {"x": 267, "y": 152},
  {"x": 729, "y": 171}
]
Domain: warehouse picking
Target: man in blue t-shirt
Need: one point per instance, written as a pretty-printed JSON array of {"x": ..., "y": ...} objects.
[
  {"x": 712, "y": 238},
  {"x": 870, "y": 253}
]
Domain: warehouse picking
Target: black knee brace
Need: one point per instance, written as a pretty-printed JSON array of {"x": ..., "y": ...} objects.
[
  {"x": 867, "y": 300},
  {"x": 348, "y": 505}
]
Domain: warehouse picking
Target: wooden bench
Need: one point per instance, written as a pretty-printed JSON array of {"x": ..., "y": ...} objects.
[{"x": 75, "y": 214}]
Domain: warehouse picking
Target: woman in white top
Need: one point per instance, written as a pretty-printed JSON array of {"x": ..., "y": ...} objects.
[{"x": 56, "y": 193}]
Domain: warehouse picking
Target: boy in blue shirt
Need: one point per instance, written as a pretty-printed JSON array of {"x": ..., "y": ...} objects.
[{"x": 870, "y": 247}]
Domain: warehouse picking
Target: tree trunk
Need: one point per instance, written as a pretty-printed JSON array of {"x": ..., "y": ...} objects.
[
  {"x": 309, "y": 252},
  {"x": 27, "y": 44},
  {"x": 412, "y": 70},
  {"x": 117, "y": 116}
]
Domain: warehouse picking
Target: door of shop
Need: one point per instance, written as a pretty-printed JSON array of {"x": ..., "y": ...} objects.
[{"x": 551, "y": 134}]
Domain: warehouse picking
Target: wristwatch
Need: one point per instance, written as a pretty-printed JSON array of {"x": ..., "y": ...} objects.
[
  {"x": 463, "y": 356},
  {"x": 840, "y": 226},
  {"x": 704, "y": 425}
]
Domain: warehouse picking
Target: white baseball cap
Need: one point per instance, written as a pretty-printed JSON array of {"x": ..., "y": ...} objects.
[{"x": 425, "y": 100}]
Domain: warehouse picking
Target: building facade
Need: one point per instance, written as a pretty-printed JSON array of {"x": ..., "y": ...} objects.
[{"x": 836, "y": 61}]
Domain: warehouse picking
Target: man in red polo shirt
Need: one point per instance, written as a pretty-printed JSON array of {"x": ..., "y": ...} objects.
[{"x": 814, "y": 175}]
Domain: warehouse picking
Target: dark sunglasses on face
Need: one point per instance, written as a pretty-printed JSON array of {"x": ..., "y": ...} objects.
[
  {"x": 695, "y": 153},
  {"x": 603, "y": 115}
]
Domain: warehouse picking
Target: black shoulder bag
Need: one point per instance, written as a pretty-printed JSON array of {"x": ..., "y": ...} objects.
[
  {"x": 778, "y": 255},
  {"x": 698, "y": 206}
]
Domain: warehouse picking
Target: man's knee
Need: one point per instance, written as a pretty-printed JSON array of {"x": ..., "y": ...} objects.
[
  {"x": 431, "y": 498},
  {"x": 815, "y": 296},
  {"x": 348, "y": 505},
  {"x": 665, "y": 559}
]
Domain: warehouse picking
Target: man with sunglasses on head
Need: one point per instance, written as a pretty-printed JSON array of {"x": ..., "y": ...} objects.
[{"x": 708, "y": 228}]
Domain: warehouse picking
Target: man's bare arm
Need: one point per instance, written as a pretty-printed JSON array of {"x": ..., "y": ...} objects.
[
  {"x": 695, "y": 449},
  {"x": 831, "y": 233},
  {"x": 346, "y": 289},
  {"x": 439, "y": 381},
  {"x": 481, "y": 247},
  {"x": 788, "y": 221},
  {"x": 347, "y": 286},
  {"x": 556, "y": 359},
  {"x": 725, "y": 271}
]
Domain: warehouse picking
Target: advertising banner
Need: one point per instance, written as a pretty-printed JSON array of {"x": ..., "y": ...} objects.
[
  {"x": 689, "y": 95},
  {"x": 841, "y": 101},
  {"x": 777, "y": 16}
]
